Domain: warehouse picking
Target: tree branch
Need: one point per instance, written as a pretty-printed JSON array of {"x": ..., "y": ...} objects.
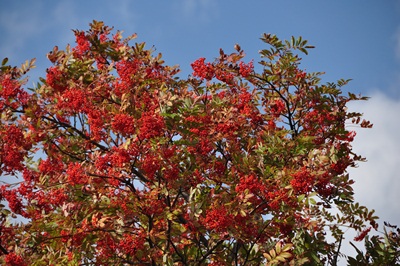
[
  {"x": 2, "y": 249},
  {"x": 79, "y": 132}
]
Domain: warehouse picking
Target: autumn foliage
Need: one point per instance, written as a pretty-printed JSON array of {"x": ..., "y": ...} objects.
[{"x": 118, "y": 161}]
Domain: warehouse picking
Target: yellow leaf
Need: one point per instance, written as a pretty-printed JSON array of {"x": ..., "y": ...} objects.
[
  {"x": 273, "y": 253},
  {"x": 285, "y": 255},
  {"x": 287, "y": 247},
  {"x": 267, "y": 256},
  {"x": 280, "y": 258},
  {"x": 278, "y": 247}
]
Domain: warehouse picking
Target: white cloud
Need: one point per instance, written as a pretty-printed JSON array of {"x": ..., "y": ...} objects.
[
  {"x": 125, "y": 11},
  {"x": 377, "y": 180},
  {"x": 203, "y": 10},
  {"x": 68, "y": 15}
]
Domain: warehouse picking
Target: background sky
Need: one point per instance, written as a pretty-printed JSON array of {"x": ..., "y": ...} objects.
[{"x": 357, "y": 39}]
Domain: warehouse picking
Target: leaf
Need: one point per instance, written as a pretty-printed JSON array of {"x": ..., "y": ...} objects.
[
  {"x": 280, "y": 258},
  {"x": 312, "y": 201},
  {"x": 301, "y": 197},
  {"x": 273, "y": 253},
  {"x": 278, "y": 247},
  {"x": 286, "y": 255},
  {"x": 287, "y": 247},
  {"x": 267, "y": 256}
]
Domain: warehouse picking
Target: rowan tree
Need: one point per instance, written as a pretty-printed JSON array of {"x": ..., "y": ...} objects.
[{"x": 121, "y": 162}]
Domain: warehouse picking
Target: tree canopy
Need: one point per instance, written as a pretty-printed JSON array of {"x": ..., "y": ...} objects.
[{"x": 119, "y": 161}]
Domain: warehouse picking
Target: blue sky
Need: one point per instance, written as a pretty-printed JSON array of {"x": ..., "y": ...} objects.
[{"x": 357, "y": 39}]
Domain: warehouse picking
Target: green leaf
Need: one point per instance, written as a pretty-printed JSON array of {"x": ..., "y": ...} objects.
[
  {"x": 312, "y": 201},
  {"x": 301, "y": 197},
  {"x": 5, "y": 60}
]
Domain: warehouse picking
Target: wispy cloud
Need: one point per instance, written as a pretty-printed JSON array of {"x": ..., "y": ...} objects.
[
  {"x": 74, "y": 15},
  {"x": 203, "y": 10},
  {"x": 125, "y": 11}
]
